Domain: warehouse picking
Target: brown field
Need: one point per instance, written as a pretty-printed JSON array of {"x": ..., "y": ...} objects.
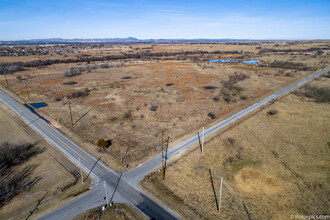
[
  {"x": 53, "y": 169},
  {"x": 117, "y": 104},
  {"x": 277, "y": 164}
]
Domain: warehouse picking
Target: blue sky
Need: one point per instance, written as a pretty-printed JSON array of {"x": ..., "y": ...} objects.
[{"x": 145, "y": 19}]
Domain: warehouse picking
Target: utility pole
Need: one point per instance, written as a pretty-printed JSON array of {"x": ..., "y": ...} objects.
[
  {"x": 6, "y": 79},
  {"x": 27, "y": 90},
  {"x": 81, "y": 173},
  {"x": 70, "y": 112},
  {"x": 106, "y": 193},
  {"x": 220, "y": 194},
  {"x": 163, "y": 170},
  {"x": 203, "y": 141}
]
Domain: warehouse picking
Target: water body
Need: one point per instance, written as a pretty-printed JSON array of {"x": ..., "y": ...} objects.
[
  {"x": 38, "y": 104},
  {"x": 234, "y": 61}
]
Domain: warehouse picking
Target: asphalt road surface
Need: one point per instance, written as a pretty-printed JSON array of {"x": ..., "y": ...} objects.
[{"x": 124, "y": 185}]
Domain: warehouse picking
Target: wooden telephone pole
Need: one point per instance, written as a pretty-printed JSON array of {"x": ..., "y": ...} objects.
[
  {"x": 27, "y": 90},
  {"x": 70, "y": 112},
  {"x": 6, "y": 79},
  {"x": 163, "y": 167}
]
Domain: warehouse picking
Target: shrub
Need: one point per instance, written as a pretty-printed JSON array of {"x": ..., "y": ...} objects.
[
  {"x": 272, "y": 112},
  {"x": 128, "y": 114},
  {"x": 103, "y": 144},
  {"x": 58, "y": 98},
  {"x": 104, "y": 65},
  {"x": 153, "y": 106},
  {"x": 72, "y": 72},
  {"x": 70, "y": 83},
  {"x": 244, "y": 97},
  {"x": 211, "y": 115},
  {"x": 216, "y": 98},
  {"x": 113, "y": 118},
  {"x": 78, "y": 94},
  {"x": 90, "y": 66},
  {"x": 227, "y": 98},
  {"x": 289, "y": 74},
  {"x": 327, "y": 75},
  {"x": 232, "y": 141}
]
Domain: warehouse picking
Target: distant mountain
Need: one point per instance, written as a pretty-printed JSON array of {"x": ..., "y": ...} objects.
[{"x": 112, "y": 40}]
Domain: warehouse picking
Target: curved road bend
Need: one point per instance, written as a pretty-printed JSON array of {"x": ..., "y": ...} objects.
[{"x": 127, "y": 190}]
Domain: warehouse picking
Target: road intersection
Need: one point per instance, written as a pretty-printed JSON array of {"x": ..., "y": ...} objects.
[{"x": 126, "y": 184}]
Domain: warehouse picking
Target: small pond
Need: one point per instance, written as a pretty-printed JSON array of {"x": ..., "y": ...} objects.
[
  {"x": 234, "y": 61},
  {"x": 38, "y": 104}
]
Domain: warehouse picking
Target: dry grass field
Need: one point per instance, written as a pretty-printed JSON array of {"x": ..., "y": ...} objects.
[
  {"x": 52, "y": 168},
  {"x": 277, "y": 164},
  {"x": 115, "y": 103}
]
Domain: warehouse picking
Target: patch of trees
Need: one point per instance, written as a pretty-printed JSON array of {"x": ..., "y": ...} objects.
[
  {"x": 290, "y": 65},
  {"x": 72, "y": 72},
  {"x": 319, "y": 94},
  {"x": 293, "y": 50},
  {"x": 78, "y": 94},
  {"x": 14, "y": 180},
  {"x": 10, "y": 69},
  {"x": 75, "y": 71},
  {"x": 230, "y": 89}
]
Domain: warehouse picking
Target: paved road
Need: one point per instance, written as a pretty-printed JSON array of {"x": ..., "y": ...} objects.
[
  {"x": 101, "y": 174},
  {"x": 135, "y": 176},
  {"x": 127, "y": 190}
]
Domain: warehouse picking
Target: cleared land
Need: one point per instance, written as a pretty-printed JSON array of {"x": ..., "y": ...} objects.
[
  {"x": 54, "y": 173},
  {"x": 158, "y": 87},
  {"x": 276, "y": 162}
]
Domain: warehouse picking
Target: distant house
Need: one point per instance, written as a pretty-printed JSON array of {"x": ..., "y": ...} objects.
[{"x": 262, "y": 65}]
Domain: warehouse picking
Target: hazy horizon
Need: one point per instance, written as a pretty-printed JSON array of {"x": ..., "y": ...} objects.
[{"x": 145, "y": 19}]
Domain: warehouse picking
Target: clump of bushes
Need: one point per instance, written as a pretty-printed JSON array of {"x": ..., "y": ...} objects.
[
  {"x": 58, "y": 98},
  {"x": 79, "y": 94},
  {"x": 211, "y": 115},
  {"x": 72, "y": 72},
  {"x": 327, "y": 75},
  {"x": 320, "y": 95},
  {"x": 70, "y": 83},
  {"x": 232, "y": 141},
  {"x": 128, "y": 115},
  {"x": 289, "y": 65},
  {"x": 244, "y": 97},
  {"x": 272, "y": 112},
  {"x": 75, "y": 71},
  {"x": 153, "y": 106},
  {"x": 230, "y": 88},
  {"x": 103, "y": 143}
]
